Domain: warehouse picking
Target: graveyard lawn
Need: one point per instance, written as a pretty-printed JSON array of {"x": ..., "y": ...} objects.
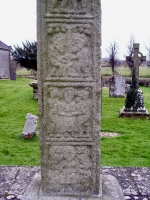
[
  {"x": 132, "y": 147},
  {"x": 24, "y": 72},
  {"x": 16, "y": 100},
  {"x": 144, "y": 71}
]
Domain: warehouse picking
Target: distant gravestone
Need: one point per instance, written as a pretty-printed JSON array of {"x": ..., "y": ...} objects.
[
  {"x": 117, "y": 86},
  {"x": 13, "y": 66},
  {"x": 12, "y": 75},
  {"x": 30, "y": 126}
]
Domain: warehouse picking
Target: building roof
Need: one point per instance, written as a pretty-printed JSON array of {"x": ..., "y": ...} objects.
[{"x": 4, "y": 46}]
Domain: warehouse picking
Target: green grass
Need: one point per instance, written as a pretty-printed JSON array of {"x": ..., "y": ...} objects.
[
  {"x": 144, "y": 71},
  {"x": 16, "y": 100},
  {"x": 132, "y": 148}
]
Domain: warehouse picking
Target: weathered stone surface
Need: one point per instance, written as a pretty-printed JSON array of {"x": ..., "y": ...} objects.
[
  {"x": 7, "y": 178},
  {"x": 109, "y": 190},
  {"x": 117, "y": 86},
  {"x": 134, "y": 181},
  {"x": 69, "y": 89},
  {"x": 124, "y": 178},
  {"x": 69, "y": 95},
  {"x": 14, "y": 181},
  {"x": 30, "y": 126}
]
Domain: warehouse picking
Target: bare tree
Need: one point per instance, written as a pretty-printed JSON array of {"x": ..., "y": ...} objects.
[
  {"x": 130, "y": 45},
  {"x": 112, "y": 51},
  {"x": 130, "y": 51},
  {"x": 148, "y": 54}
]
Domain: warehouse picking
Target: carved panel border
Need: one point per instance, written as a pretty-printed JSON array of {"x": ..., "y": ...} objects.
[
  {"x": 69, "y": 52},
  {"x": 67, "y": 7},
  {"x": 67, "y": 112},
  {"x": 70, "y": 168}
]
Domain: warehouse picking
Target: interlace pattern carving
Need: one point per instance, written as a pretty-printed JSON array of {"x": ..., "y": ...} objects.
[
  {"x": 67, "y": 6},
  {"x": 68, "y": 168},
  {"x": 69, "y": 113},
  {"x": 70, "y": 51}
]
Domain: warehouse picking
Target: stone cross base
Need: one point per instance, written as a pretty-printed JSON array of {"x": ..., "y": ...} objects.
[
  {"x": 109, "y": 190},
  {"x": 139, "y": 113}
]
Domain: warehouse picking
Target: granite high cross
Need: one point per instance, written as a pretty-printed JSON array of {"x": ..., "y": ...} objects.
[
  {"x": 69, "y": 94},
  {"x": 69, "y": 97}
]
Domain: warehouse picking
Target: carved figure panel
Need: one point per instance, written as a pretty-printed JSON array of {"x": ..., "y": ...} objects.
[
  {"x": 69, "y": 51},
  {"x": 68, "y": 113},
  {"x": 69, "y": 169},
  {"x": 66, "y": 6}
]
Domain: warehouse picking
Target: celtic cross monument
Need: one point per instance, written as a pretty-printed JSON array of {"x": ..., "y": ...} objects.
[
  {"x": 136, "y": 59},
  {"x": 134, "y": 103}
]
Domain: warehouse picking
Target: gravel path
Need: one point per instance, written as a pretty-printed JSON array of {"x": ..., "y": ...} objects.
[{"x": 134, "y": 181}]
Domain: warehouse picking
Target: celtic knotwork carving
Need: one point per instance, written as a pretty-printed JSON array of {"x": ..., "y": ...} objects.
[
  {"x": 57, "y": 29},
  {"x": 69, "y": 113},
  {"x": 70, "y": 51},
  {"x": 68, "y": 6},
  {"x": 67, "y": 163}
]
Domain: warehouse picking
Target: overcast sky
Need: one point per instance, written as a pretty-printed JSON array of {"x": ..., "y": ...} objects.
[
  {"x": 123, "y": 18},
  {"x": 17, "y": 21},
  {"x": 120, "y": 20}
]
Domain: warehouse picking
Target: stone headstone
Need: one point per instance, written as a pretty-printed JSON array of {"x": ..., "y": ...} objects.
[
  {"x": 117, "y": 86},
  {"x": 12, "y": 75},
  {"x": 30, "y": 126}
]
